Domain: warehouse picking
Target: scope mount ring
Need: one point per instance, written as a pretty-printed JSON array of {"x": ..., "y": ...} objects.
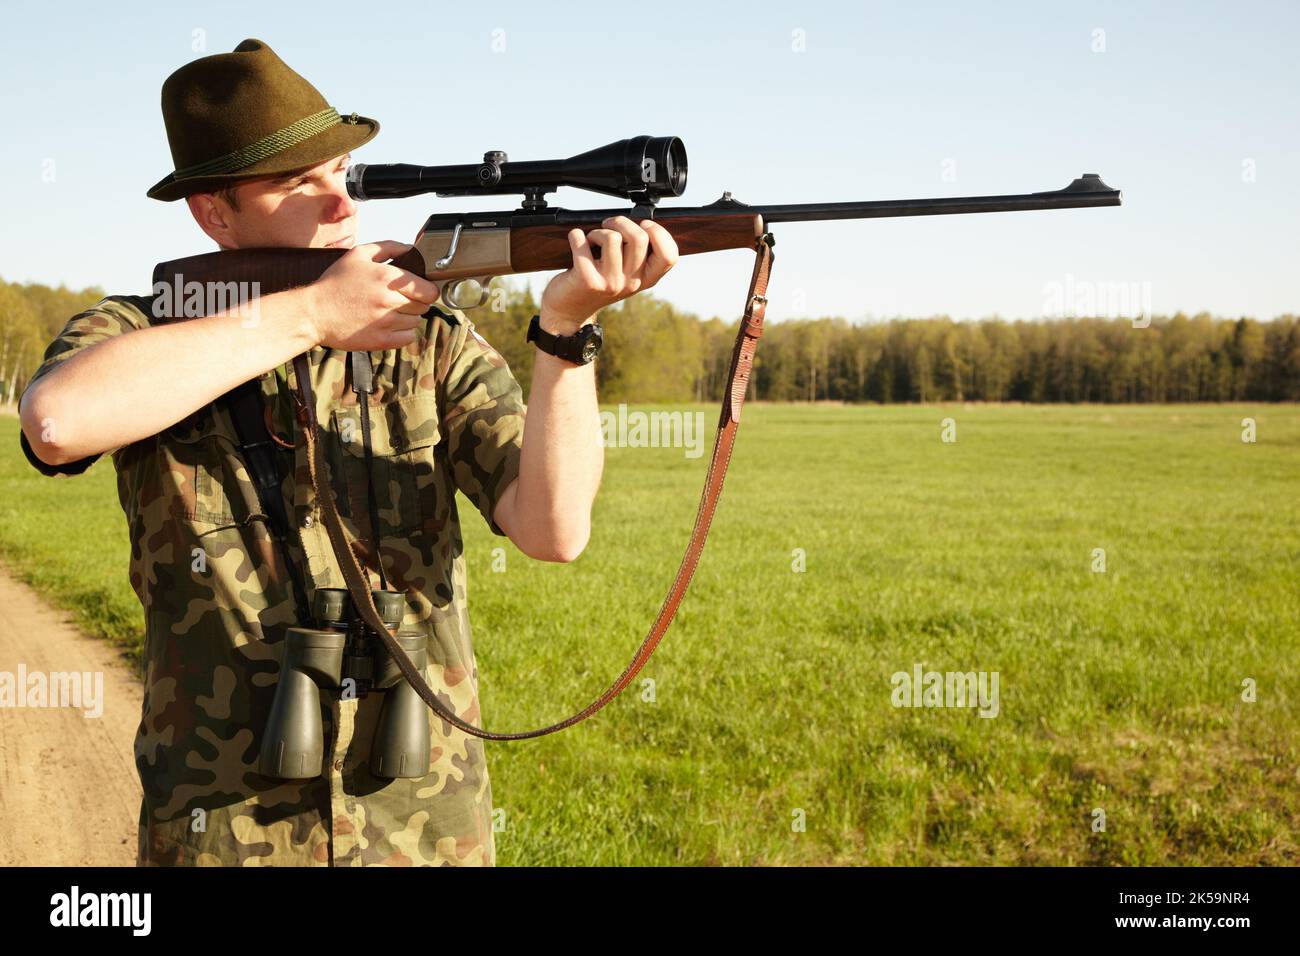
[{"x": 535, "y": 197}]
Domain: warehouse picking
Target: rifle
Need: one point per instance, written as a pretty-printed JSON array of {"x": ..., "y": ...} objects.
[{"x": 457, "y": 249}]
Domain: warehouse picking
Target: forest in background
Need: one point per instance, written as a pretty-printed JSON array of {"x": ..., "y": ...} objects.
[{"x": 656, "y": 353}]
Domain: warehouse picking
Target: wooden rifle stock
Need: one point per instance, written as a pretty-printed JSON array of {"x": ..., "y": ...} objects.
[
  {"x": 274, "y": 270},
  {"x": 532, "y": 249}
]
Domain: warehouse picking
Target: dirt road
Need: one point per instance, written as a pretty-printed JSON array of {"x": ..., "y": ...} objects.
[{"x": 69, "y": 793}]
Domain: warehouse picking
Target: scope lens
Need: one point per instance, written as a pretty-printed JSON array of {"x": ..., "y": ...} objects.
[{"x": 665, "y": 167}]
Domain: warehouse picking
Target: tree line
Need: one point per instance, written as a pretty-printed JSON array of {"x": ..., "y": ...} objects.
[{"x": 656, "y": 353}]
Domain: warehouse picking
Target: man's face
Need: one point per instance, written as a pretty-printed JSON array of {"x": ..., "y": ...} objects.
[{"x": 308, "y": 208}]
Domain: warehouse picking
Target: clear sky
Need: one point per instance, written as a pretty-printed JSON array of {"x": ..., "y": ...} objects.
[{"x": 1190, "y": 108}]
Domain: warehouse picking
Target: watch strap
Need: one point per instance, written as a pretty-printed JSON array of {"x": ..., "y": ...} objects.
[{"x": 567, "y": 347}]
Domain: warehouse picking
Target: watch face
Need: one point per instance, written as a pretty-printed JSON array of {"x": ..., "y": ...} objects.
[{"x": 591, "y": 347}]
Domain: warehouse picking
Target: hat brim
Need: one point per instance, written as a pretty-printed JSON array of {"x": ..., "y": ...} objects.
[{"x": 312, "y": 151}]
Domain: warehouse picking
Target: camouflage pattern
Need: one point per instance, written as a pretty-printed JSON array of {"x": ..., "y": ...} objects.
[{"x": 216, "y": 599}]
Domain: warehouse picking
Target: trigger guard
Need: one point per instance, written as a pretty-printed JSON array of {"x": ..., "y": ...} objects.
[{"x": 450, "y": 289}]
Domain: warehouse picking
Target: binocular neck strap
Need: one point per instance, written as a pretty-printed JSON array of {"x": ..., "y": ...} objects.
[
  {"x": 363, "y": 384},
  {"x": 245, "y": 406},
  {"x": 733, "y": 399}
]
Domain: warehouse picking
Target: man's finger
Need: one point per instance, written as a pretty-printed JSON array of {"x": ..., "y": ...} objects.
[
  {"x": 611, "y": 255},
  {"x": 414, "y": 287},
  {"x": 412, "y": 307},
  {"x": 635, "y": 245},
  {"x": 663, "y": 251},
  {"x": 583, "y": 260},
  {"x": 400, "y": 338},
  {"x": 384, "y": 250}
]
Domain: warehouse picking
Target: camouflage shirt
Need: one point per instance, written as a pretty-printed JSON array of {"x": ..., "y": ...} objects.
[{"x": 446, "y": 414}]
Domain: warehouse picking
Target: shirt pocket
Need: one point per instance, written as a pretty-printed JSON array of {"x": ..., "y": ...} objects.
[
  {"x": 404, "y": 435},
  {"x": 198, "y": 462}
]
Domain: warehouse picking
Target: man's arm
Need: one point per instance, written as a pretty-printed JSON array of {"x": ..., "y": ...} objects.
[
  {"x": 546, "y": 512},
  {"x": 158, "y": 375},
  {"x": 154, "y": 376}
]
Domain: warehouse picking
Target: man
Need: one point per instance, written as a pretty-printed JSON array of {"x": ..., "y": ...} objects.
[{"x": 260, "y": 159}]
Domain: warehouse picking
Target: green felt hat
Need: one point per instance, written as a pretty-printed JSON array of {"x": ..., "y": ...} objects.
[{"x": 234, "y": 117}]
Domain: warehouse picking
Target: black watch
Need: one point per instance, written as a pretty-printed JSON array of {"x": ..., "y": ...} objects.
[{"x": 579, "y": 348}]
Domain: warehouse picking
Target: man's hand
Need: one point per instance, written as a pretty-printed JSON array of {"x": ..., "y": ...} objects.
[
  {"x": 632, "y": 258},
  {"x": 362, "y": 303}
]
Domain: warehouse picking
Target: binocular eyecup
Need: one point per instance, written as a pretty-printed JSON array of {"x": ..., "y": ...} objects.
[{"x": 342, "y": 654}]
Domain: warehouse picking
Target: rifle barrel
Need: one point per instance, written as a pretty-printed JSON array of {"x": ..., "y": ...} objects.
[{"x": 1087, "y": 190}]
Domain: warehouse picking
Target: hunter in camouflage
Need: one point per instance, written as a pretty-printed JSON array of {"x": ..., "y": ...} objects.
[
  {"x": 450, "y": 416},
  {"x": 261, "y": 160}
]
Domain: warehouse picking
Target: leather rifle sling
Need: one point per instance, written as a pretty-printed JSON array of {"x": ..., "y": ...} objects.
[{"x": 733, "y": 399}]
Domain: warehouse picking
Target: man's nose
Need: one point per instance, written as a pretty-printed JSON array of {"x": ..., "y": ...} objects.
[{"x": 339, "y": 204}]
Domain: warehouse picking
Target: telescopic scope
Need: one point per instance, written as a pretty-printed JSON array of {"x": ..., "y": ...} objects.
[{"x": 641, "y": 169}]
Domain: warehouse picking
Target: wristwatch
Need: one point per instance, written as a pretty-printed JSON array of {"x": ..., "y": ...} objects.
[{"x": 579, "y": 348}]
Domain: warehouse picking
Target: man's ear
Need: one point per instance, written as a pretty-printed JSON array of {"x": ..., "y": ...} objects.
[{"x": 211, "y": 215}]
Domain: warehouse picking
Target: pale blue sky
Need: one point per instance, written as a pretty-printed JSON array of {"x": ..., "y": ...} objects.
[{"x": 882, "y": 100}]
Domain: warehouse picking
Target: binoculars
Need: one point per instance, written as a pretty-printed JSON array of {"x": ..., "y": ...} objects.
[{"x": 343, "y": 654}]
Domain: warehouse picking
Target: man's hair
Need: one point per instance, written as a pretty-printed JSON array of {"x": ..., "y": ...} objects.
[{"x": 228, "y": 194}]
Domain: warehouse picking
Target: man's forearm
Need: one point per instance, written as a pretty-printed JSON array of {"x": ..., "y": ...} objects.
[
  {"x": 135, "y": 385},
  {"x": 561, "y": 461},
  {"x": 547, "y": 511}
]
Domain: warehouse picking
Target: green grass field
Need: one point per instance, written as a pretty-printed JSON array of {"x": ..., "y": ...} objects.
[{"x": 771, "y": 737}]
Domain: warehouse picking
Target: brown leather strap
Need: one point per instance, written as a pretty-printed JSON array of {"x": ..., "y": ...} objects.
[{"x": 742, "y": 363}]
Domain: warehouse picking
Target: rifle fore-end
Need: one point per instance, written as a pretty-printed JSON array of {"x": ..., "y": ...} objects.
[{"x": 540, "y": 248}]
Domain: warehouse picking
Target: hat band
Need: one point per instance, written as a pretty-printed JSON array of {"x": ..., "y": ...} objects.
[{"x": 276, "y": 142}]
